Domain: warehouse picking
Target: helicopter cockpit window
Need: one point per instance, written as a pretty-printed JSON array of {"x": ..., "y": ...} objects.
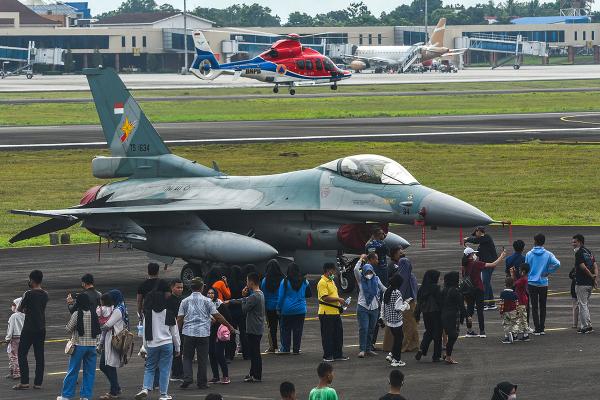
[
  {"x": 329, "y": 66},
  {"x": 319, "y": 64},
  {"x": 300, "y": 64},
  {"x": 375, "y": 169}
]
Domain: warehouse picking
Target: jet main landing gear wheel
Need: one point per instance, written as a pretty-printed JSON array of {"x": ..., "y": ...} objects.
[
  {"x": 333, "y": 87},
  {"x": 292, "y": 91},
  {"x": 276, "y": 89},
  {"x": 189, "y": 272}
]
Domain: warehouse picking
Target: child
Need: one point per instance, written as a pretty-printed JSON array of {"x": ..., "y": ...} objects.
[
  {"x": 13, "y": 334},
  {"x": 104, "y": 312},
  {"x": 508, "y": 310},
  {"x": 523, "y": 296},
  {"x": 516, "y": 259},
  {"x": 287, "y": 390},
  {"x": 391, "y": 310},
  {"x": 323, "y": 391}
]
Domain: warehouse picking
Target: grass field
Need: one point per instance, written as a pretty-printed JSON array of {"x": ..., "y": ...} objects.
[
  {"x": 533, "y": 183},
  {"x": 305, "y": 108},
  {"x": 343, "y": 88}
]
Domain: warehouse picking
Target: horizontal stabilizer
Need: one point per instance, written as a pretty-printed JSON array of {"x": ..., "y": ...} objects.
[{"x": 52, "y": 225}]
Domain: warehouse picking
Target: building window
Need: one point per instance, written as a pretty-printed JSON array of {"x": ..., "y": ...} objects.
[
  {"x": 379, "y": 38},
  {"x": 144, "y": 41},
  {"x": 133, "y": 41},
  {"x": 575, "y": 35},
  {"x": 370, "y": 39},
  {"x": 584, "y": 32},
  {"x": 360, "y": 39},
  {"x": 122, "y": 41}
]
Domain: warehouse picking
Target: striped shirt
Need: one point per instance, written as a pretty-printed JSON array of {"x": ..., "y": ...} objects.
[
  {"x": 87, "y": 339},
  {"x": 197, "y": 311}
]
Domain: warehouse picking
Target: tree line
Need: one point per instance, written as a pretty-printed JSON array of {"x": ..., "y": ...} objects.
[{"x": 358, "y": 14}]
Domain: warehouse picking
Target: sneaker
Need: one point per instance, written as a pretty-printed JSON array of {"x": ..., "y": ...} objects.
[
  {"x": 361, "y": 354},
  {"x": 143, "y": 394},
  {"x": 248, "y": 378},
  {"x": 525, "y": 338},
  {"x": 165, "y": 397},
  {"x": 492, "y": 307},
  {"x": 327, "y": 359},
  {"x": 589, "y": 330},
  {"x": 270, "y": 350},
  {"x": 485, "y": 308},
  {"x": 580, "y": 331},
  {"x": 471, "y": 334},
  {"x": 507, "y": 340},
  {"x": 225, "y": 380},
  {"x": 214, "y": 380},
  {"x": 537, "y": 333},
  {"x": 389, "y": 357},
  {"x": 482, "y": 334},
  {"x": 176, "y": 379},
  {"x": 297, "y": 353},
  {"x": 418, "y": 355},
  {"x": 542, "y": 332},
  {"x": 283, "y": 353},
  {"x": 62, "y": 398},
  {"x": 530, "y": 330},
  {"x": 371, "y": 353},
  {"x": 342, "y": 358},
  {"x": 397, "y": 363}
]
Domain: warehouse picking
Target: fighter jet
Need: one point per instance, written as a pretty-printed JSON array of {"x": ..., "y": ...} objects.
[{"x": 172, "y": 207}]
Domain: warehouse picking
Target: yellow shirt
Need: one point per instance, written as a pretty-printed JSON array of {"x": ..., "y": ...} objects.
[{"x": 326, "y": 287}]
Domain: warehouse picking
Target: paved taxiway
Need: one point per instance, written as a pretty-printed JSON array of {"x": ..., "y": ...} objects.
[
  {"x": 169, "y": 81},
  {"x": 469, "y": 129},
  {"x": 560, "y": 365}
]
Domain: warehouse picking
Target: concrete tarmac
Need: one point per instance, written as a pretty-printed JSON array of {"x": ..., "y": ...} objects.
[
  {"x": 467, "y": 129},
  {"x": 170, "y": 81},
  {"x": 560, "y": 365}
]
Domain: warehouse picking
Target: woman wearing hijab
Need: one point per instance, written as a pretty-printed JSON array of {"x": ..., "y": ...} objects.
[
  {"x": 161, "y": 339},
  {"x": 409, "y": 288},
  {"x": 429, "y": 302},
  {"x": 392, "y": 310},
  {"x": 367, "y": 310},
  {"x": 505, "y": 391},
  {"x": 293, "y": 292},
  {"x": 110, "y": 359},
  {"x": 453, "y": 312},
  {"x": 270, "y": 287},
  {"x": 216, "y": 279},
  {"x": 85, "y": 329},
  {"x": 216, "y": 348}
]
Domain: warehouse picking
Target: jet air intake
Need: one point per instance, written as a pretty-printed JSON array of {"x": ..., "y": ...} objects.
[{"x": 218, "y": 246}]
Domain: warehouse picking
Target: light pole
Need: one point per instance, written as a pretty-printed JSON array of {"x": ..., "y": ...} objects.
[
  {"x": 426, "y": 32},
  {"x": 185, "y": 49}
]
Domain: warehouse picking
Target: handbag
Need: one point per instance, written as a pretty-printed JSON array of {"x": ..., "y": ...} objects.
[
  {"x": 70, "y": 346},
  {"x": 466, "y": 286}
]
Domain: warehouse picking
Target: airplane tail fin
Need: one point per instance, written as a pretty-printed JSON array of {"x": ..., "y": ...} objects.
[
  {"x": 437, "y": 37},
  {"x": 127, "y": 130},
  {"x": 205, "y": 65}
]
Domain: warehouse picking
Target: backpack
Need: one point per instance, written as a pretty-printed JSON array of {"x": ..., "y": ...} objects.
[
  {"x": 588, "y": 259},
  {"x": 123, "y": 343},
  {"x": 223, "y": 334},
  {"x": 466, "y": 285}
]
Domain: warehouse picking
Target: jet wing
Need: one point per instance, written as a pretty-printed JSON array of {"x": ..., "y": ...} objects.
[{"x": 52, "y": 225}]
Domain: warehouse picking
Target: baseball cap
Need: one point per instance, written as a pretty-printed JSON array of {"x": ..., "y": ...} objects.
[{"x": 468, "y": 251}]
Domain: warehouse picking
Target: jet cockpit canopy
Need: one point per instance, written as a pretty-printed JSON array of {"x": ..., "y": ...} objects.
[{"x": 371, "y": 168}]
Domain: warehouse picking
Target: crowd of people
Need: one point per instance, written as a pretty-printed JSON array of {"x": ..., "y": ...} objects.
[{"x": 226, "y": 312}]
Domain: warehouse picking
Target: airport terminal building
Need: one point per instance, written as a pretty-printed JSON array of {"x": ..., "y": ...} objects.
[{"x": 155, "y": 41}]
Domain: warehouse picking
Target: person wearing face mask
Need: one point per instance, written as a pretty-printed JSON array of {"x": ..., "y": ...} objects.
[
  {"x": 332, "y": 331},
  {"x": 370, "y": 289},
  {"x": 472, "y": 267},
  {"x": 505, "y": 391}
]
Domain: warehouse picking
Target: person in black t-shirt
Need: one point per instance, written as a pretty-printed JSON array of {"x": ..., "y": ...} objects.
[
  {"x": 173, "y": 303},
  {"x": 34, "y": 330},
  {"x": 396, "y": 382},
  {"x": 586, "y": 278},
  {"x": 151, "y": 283}
]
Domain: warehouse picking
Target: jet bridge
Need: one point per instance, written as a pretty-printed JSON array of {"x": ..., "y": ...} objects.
[
  {"x": 26, "y": 57},
  {"x": 512, "y": 47}
]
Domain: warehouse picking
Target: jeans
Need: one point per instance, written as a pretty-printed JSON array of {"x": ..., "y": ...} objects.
[
  {"x": 367, "y": 319},
  {"x": 35, "y": 339},
  {"x": 538, "y": 295},
  {"x": 475, "y": 300},
  {"x": 255, "y": 357},
  {"x": 488, "y": 292},
  {"x": 332, "y": 336},
  {"x": 160, "y": 357},
  {"x": 583, "y": 297},
  {"x": 291, "y": 325},
  {"x": 199, "y": 346},
  {"x": 111, "y": 375},
  {"x": 87, "y": 356},
  {"x": 216, "y": 354},
  {"x": 272, "y": 321},
  {"x": 397, "y": 346},
  {"x": 433, "y": 332}
]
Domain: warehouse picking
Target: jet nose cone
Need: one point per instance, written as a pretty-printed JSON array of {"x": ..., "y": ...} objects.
[{"x": 441, "y": 209}]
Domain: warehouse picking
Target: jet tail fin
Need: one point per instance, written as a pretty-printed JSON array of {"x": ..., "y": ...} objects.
[
  {"x": 205, "y": 65},
  {"x": 127, "y": 130},
  {"x": 437, "y": 37}
]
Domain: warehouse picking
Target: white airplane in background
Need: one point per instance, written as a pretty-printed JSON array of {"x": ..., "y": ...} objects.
[{"x": 403, "y": 56}]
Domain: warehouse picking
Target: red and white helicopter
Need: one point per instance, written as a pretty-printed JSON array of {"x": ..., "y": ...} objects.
[{"x": 286, "y": 63}]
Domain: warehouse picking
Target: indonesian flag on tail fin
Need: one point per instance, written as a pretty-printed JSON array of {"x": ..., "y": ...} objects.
[{"x": 119, "y": 108}]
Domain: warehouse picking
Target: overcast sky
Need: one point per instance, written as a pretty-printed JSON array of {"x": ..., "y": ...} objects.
[{"x": 284, "y": 7}]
